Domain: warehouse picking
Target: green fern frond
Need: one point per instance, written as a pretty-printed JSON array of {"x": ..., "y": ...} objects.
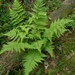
[
  {"x": 57, "y": 28},
  {"x": 17, "y": 14},
  {"x": 38, "y": 45},
  {"x": 15, "y": 35},
  {"x": 49, "y": 48},
  {"x": 39, "y": 16},
  {"x": 19, "y": 34},
  {"x": 11, "y": 34},
  {"x": 16, "y": 46},
  {"x": 33, "y": 57},
  {"x": 38, "y": 19}
]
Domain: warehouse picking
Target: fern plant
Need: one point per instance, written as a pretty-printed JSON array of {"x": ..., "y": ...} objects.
[
  {"x": 32, "y": 36},
  {"x": 17, "y": 14}
]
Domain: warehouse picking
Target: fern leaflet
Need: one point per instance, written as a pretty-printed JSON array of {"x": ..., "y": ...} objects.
[{"x": 33, "y": 57}]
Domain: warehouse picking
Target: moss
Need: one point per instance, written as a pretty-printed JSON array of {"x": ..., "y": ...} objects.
[{"x": 66, "y": 63}]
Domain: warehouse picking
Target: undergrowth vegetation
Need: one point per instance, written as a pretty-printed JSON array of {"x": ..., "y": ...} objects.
[
  {"x": 54, "y": 4},
  {"x": 4, "y": 22},
  {"x": 32, "y": 35}
]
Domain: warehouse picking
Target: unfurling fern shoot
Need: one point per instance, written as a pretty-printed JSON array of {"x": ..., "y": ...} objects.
[{"x": 32, "y": 36}]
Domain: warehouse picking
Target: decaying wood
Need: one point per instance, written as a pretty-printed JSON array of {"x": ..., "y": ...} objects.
[{"x": 66, "y": 8}]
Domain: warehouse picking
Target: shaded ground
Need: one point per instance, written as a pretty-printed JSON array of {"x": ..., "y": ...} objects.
[{"x": 64, "y": 61}]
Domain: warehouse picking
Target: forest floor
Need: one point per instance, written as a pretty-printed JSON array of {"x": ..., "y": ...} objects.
[{"x": 63, "y": 62}]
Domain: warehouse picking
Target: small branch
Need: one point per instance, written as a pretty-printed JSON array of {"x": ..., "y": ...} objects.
[{"x": 7, "y": 72}]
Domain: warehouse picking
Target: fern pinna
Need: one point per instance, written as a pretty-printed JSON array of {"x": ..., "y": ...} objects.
[
  {"x": 17, "y": 14},
  {"x": 32, "y": 36}
]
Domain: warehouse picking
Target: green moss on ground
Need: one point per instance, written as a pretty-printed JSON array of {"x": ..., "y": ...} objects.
[{"x": 67, "y": 59}]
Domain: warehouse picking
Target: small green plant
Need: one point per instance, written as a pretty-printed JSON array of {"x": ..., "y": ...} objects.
[
  {"x": 32, "y": 36},
  {"x": 54, "y": 4},
  {"x": 4, "y": 22}
]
